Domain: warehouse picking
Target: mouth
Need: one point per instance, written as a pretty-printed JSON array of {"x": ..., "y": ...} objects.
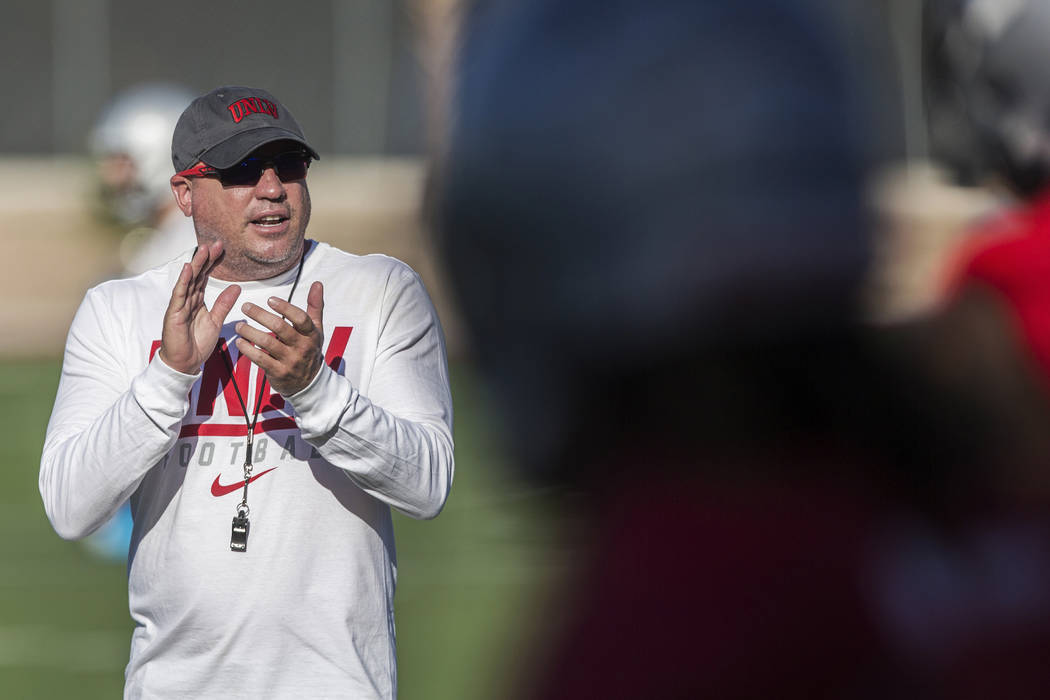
[{"x": 270, "y": 220}]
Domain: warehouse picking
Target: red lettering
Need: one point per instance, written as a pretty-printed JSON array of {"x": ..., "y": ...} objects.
[
  {"x": 337, "y": 346},
  {"x": 217, "y": 375},
  {"x": 270, "y": 400},
  {"x": 251, "y": 105}
]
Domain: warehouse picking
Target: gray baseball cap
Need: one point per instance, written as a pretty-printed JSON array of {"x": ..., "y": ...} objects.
[{"x": 222, "y": 127}]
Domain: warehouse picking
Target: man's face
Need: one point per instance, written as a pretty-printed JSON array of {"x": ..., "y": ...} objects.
[{"x": 262, "y": 226}]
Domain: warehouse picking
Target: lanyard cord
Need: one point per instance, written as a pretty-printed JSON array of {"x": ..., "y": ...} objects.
[{"x": 243, "y": 506}]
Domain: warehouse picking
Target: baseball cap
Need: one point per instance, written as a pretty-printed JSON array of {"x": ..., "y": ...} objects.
[{"x": 222, "y": 127}]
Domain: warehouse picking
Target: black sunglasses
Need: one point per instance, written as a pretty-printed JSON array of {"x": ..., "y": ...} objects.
[{"x": 288, "y": 166}]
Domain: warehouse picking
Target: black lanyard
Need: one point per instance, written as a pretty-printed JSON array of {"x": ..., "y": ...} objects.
[{"x": 239, "y": 536}]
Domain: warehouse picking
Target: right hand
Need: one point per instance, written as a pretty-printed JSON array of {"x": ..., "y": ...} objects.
[{"x": 190, "y": 329}]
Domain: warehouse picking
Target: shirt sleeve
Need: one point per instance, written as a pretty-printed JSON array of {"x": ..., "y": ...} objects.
[
  {"x": 105, "y": 432},
  {"x": 396, "y": 443}
]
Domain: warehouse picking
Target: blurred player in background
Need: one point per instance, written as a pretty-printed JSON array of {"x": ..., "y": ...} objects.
[
  {"x": 987, "y": 91},
  {"x": 988, "y": 95},
  {"x": 653, "y": 216},
  {"x": 131, "y": 146}
]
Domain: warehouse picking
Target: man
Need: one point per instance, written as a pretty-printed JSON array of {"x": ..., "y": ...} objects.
[{"x": 301, "y": 419}]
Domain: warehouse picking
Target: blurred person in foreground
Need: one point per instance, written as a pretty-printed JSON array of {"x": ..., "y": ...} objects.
[
  {"x": 131, "y": 146},
  {"x": 326, "y": 391},
  {"x": 653, "y": 216}
]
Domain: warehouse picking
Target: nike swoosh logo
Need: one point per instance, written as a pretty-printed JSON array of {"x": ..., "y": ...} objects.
[{"x": 218, "y": 489}]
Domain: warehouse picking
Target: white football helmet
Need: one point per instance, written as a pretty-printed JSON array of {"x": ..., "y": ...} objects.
[{"x": 132, "y": 143}]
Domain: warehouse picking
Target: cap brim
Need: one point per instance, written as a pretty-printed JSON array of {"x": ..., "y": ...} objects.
[{"x": 236, "y": 148}]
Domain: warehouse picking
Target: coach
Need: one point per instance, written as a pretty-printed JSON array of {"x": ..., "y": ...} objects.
[{"x": 261, "y": 447}]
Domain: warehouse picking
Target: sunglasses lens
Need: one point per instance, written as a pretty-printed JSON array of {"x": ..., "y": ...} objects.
[
  {"x": 289, "y": 166},
  {"x": 247, "y": 172}
]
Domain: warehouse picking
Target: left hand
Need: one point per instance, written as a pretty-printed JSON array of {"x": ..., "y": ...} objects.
[{"x": 291, "y": 357}]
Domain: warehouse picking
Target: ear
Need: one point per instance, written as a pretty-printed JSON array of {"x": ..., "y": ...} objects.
[{"x": 180, "y": 187}]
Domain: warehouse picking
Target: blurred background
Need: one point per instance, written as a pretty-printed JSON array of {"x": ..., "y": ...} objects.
[{"x": 371, "y": 83}]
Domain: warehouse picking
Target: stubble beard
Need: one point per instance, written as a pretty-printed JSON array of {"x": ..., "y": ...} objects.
[
  {"x": 248, "y": 265},
  {"x": 251, "y": 265},
  {"x": 274, "y": 262}
]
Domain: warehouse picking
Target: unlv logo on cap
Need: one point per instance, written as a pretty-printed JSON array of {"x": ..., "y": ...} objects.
[{"x": 252, "y": 105}]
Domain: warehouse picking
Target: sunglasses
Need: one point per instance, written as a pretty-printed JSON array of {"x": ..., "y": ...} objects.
[{"x": 288, "y": 167}]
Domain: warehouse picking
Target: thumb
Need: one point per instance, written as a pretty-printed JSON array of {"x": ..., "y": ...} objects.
[
  {"x": 225, "y": 301},
  {"x": 315, "y": 305}
]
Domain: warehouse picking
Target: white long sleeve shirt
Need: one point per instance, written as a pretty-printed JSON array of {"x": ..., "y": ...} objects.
[{"x": 307, "y": 610}]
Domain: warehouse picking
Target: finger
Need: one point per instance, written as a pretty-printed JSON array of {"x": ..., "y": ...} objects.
[
  {"x": 198, "y": 281},
  {"x": 181, "y": 291},
  {"x": 281, "y": 328},
  {"x": 224, "y": 303},
  {"x": 214, "y": 258},
  {"x": 315, "y": 305},
  {"x": 293, "y": 314},
  {"x": 199, "y": 260},
  {"x": 204, "y": 260},
  {"x": 269, "y": 344},
  {"x": 258, "y": 357}
]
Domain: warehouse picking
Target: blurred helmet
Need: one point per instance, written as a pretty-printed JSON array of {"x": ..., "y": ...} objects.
[
  {"x": 132, "y": 142},
  {"x": 987, "y": 85}
]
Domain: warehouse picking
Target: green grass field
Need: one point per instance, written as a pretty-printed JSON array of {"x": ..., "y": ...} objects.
[{"x": 466, "y": 581}]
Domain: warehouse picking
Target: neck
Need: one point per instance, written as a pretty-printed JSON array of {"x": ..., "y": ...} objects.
[{"x": 245, "y": 269}]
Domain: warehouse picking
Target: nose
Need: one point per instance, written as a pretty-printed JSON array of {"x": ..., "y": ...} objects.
[{"x": 269, "y": 185}]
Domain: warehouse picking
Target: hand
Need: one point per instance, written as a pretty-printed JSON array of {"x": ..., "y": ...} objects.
[
  {"x": 291, "y": 357},
  {"x": 190, "y": 329}
]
